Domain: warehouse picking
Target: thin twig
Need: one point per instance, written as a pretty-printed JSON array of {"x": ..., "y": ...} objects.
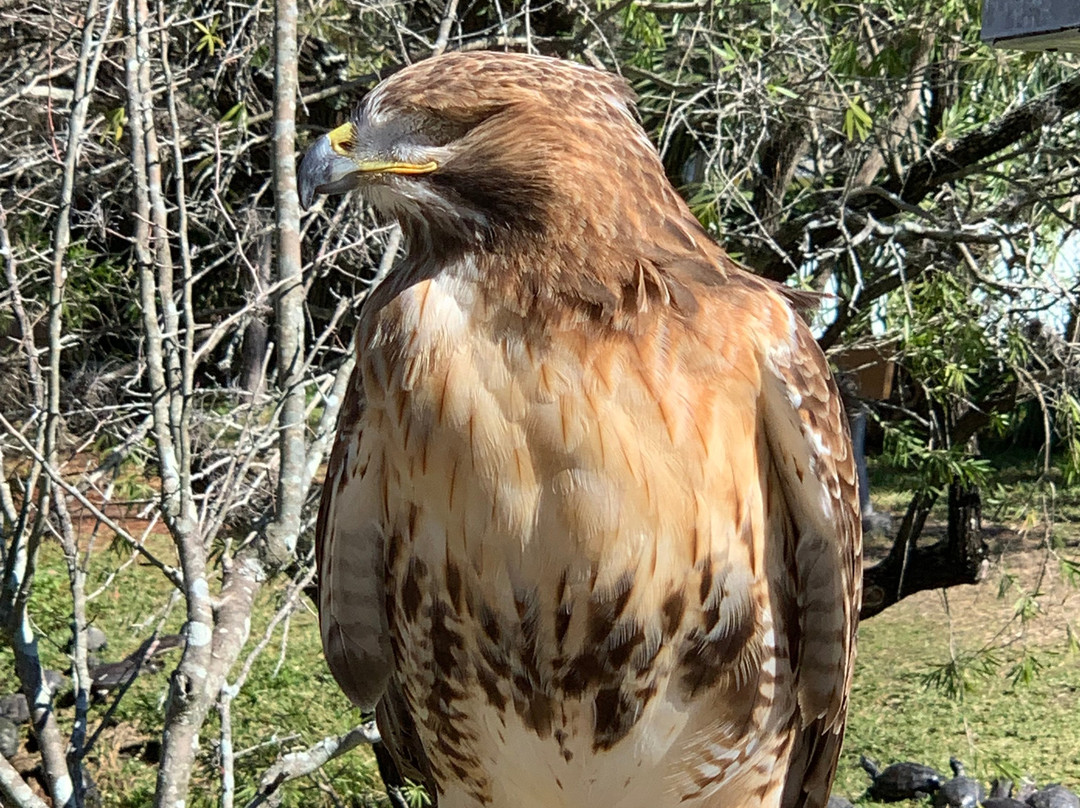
[
  {"x": 168, "y": 570},
  {"x": 299, "y": 764}
]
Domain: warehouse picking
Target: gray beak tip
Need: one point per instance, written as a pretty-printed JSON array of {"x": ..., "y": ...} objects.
[{"x": 314, "y": 171}]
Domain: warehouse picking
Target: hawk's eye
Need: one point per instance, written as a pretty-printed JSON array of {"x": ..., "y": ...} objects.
[{"x": 343, "y": 139}]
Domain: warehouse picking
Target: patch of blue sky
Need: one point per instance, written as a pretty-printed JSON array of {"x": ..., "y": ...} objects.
[{"x": 1043, "y": 285}]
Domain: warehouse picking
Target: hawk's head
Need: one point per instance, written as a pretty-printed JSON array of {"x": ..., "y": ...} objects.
[
  {"x": 472, "y": 147},
  {"x": 537, "y": 169}
]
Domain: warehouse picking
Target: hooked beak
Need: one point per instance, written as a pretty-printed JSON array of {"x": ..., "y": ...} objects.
[{"x": 332, "y": 166}]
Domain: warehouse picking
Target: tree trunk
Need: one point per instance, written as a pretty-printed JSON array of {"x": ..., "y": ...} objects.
[
  {"x": 283, "y": 533},
  {"x": 967, "y": 547},
  {"x": 959, "y": 559}
]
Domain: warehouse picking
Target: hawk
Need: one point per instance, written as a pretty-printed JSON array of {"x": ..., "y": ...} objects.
[{"x": 589, "y": 533}]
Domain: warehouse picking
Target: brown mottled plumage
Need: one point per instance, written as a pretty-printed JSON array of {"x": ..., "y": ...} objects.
[{"x": 589, "y": 533}]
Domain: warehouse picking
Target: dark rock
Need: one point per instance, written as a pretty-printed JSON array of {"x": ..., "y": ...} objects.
[
  {"x": 9, "y": 738},
  {"x": 15, "y": 708}
]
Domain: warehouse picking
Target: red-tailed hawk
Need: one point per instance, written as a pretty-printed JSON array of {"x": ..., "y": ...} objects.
[{"x": 589, "y": 534}]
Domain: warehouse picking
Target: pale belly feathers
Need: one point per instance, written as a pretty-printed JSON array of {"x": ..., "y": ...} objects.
[{"x": 576, "y": 572}]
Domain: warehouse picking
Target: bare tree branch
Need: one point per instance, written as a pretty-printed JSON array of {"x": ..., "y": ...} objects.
[
  {"x": 299, "y": 764},
  {"x": 942, "y": 163},
  {"x": 14, "y": 790}
]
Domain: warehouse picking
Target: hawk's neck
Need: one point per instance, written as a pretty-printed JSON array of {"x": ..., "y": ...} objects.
[{"x": 559, "y": 287}]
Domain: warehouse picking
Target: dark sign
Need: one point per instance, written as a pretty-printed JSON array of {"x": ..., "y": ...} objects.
[{"x": 1032, "y": 24}]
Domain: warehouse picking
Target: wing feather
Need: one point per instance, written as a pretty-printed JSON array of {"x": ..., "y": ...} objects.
[
  {"x": 349, "y": 554},
  {"x": 811, "y": 449}
]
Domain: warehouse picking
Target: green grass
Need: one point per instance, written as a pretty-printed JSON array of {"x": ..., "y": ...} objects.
[
  {"x": 997, "y": 728},
  {"x": 1001, "y": 722},
  {"x": 281, "y": 708},
  {"x": 992, "y": 674}
]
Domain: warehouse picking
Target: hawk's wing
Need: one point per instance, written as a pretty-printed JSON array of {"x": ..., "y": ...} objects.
[
  {"x": 352, "y": 604},
  {"x": 808, "y": 439},
  {"x": 349, "y": 555}
]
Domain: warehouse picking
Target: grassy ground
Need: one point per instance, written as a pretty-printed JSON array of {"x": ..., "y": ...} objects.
[
  {"x": 289, "y": 703},
  {"x": 990, "y": 673},
  {"x": 964, "y": 676}
]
